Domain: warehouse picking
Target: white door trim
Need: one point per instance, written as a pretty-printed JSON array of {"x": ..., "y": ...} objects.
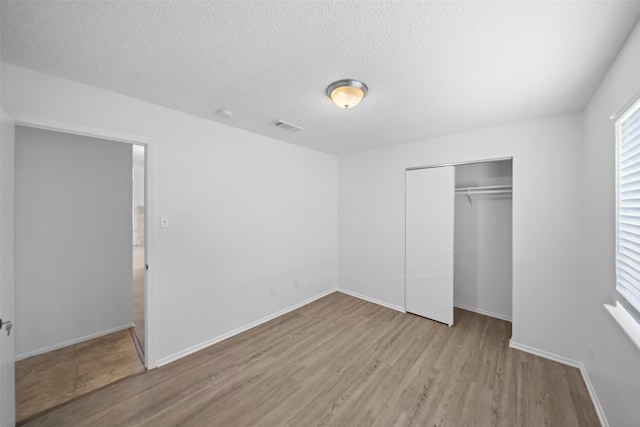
[
  {"x": 76, "y": 129},
  {"x": 7, "y": 271}
]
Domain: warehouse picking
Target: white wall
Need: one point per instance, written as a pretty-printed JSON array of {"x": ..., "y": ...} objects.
[
  {"x": 546, "y": 221},
  {"x": 613, "y": 361},
  {"x": 73, "y": 247},
  {"x": 483, "y": 241},
  {"x": 246, "y": 212}
]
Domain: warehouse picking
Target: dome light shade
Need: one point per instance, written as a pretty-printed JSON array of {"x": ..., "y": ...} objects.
[{"x": 347, "y": 93}]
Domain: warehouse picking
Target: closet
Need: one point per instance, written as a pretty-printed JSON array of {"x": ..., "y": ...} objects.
[{"x": 458, "y": 246}]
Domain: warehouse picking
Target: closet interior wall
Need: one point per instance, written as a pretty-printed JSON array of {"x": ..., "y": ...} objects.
[{"x": 483, "y": 241}]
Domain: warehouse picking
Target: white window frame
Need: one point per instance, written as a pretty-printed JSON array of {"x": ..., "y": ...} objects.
[{"x": 623, "y": 295}]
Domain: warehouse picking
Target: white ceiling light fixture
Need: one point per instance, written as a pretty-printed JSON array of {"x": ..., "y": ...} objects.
[{"x": 347, "y": 93}]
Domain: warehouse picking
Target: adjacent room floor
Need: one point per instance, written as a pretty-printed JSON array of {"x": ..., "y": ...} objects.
[
  {"x": 48, "y": 380},
  {"x": 138, "y": 294},
  {"x": 341, "y": 361}
]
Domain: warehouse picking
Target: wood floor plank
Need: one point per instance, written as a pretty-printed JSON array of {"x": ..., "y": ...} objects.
[
  {"x": 341, "y": 361},
  {"x": 137, "y": 293}
]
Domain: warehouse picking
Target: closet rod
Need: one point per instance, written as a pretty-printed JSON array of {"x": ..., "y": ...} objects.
[
  {"x": 485, "y": 188},
  {"x": 484, "y": 192}
]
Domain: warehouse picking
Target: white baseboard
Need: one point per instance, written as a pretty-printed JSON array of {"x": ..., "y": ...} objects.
[
  {"x": 484, "y": 312},
  {"x": 63, "y": 344},
  {"x": 594, "y": 396},
  {"x": 173, "y": 357},
  {"x": 570, "y": 362},
  {"x": 545, "y": 354},
  {"x": 373, "y": 300}
]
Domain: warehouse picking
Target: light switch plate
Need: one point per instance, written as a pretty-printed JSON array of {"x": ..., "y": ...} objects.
[{"x": 164, "y": 221}]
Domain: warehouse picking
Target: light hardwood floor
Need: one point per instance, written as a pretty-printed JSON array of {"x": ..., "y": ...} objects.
[
  {"x": 341, "y": 361},
  {"x": 53, "y": 378}
]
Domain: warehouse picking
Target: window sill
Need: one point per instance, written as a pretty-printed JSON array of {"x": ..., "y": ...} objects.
[{"x": 626, "y": 322}]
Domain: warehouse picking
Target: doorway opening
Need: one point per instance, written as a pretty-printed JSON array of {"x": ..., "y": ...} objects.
[
  {"x": 75, "y": 215},
  {"x": 459, "y": 239},
  {"x": 483, "y": 266}
]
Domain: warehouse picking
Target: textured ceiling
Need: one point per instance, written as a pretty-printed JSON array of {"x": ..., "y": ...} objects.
[{"x": 432, "y": 68}]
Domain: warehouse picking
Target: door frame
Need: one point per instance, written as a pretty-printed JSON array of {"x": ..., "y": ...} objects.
[
  {"x": 468, "y": 162},
  {"x": 150, "y": 357},
  {"x": 460, "y": 163},
  {"x": 7, "y": 271}
]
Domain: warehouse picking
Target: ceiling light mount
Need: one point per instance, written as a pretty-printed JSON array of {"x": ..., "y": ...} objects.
[
  {"x": 227, "y": 114},
  {"x": 347, "y": 93}
]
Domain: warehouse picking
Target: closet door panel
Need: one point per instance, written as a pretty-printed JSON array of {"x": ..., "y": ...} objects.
[{"x": 430, "y": 202}]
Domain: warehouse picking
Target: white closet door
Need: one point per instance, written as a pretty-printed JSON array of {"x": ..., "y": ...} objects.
[{"x": 430, "y": 202}]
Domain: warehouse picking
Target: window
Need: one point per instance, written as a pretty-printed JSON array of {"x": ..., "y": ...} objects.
[{"x": 628, "y": 210}]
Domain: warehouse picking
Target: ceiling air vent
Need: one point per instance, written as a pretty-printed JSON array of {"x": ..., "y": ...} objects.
[{"x": 286, "y": 125}]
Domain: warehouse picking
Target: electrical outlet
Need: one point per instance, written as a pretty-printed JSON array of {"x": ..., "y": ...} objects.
[
  {"x": 296, "y": 283},
  {"x": 272, "y": 291}
]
